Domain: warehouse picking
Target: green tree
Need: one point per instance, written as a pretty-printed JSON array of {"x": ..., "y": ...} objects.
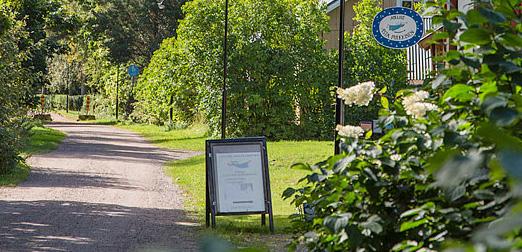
[
  {"x": 279, "y": 72},
  {"x": 13, "y": 86},
  {"x": 160, "y": 88},
  {"x": 46, "y": 24}
]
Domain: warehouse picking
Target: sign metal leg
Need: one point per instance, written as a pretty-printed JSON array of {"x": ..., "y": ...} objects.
[{"x": 213, "y": 217}]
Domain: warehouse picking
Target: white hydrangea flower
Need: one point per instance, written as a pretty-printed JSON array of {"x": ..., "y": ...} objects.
[
  {"x": 350, "y": 131},
  {"x": 395, "y": 157},
  {"x": 360, "y": 95},
  {"x": 415, "y": 106}
]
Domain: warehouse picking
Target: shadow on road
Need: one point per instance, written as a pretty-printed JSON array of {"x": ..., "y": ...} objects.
[
  {"x": 41, "y": 177},
  {"x": 31, "y": 226}
]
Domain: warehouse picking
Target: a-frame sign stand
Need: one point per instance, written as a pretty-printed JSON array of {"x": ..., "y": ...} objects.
[{"x": 259, "y": 201}]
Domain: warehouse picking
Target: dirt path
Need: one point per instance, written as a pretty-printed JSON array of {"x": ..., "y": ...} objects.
[{"x": 103, "y": 189}]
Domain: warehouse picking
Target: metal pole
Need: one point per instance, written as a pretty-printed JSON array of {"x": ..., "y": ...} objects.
[
  {"x": 225, "y": 68},
  {"x": 68, "y": 91},
  {"x": 339, "y": 106},
  {"x": 117, "y": 90}
]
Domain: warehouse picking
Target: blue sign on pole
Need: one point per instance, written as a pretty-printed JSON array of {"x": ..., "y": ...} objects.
[
  {"x": 398, "y": 27},
  {"x": 133, "y": 70}
]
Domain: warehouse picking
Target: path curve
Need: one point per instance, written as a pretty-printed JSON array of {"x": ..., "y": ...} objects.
[{"x": 103, "y": 189}]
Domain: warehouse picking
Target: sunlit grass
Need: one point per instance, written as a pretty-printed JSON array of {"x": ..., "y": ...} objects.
[
  {"x": 190, "y": 175},
  {"x": 41, "y": 140}
]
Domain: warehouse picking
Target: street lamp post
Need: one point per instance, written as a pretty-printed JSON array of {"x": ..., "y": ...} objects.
[
  {"x": 225, "y": 69},
  {"x": 339, "y": 106},
  {"x": 67, "y": 77},
  {"x": 117, "y": 90}
]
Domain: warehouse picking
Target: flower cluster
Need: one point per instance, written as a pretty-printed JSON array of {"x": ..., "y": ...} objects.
[
  {"x": 350, "y": 131},
  {"x": 415, "y": 106},
  {"x": 360, "y": 95}
]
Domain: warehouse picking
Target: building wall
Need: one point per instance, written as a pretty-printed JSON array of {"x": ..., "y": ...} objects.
[{"x": 332, "y": 37}]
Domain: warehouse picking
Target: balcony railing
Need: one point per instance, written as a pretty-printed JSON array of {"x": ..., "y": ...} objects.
[{"x": 420, "y": 62}]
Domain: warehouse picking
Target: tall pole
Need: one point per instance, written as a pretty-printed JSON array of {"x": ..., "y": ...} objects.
[
  {"x": 68, "y": 90},
  {"x": 339, "y": 106},
  {"x": 225, "y": 68},
  {"x": 117, "y": 90}
]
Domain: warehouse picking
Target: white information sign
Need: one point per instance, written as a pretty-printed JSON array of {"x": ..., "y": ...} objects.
[{"x": 239, "y": 177}]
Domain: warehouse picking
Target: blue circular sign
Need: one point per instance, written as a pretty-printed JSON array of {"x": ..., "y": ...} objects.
[
  {"x": 398, "y": 27},
  {"x": 133, "y": 70}
]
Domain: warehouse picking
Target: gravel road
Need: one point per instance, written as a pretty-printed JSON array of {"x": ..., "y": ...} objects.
[{"x": 103, "y": 189}]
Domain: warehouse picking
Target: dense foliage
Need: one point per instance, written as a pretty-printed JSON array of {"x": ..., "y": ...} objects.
[
  {"x": 279, "y": 72},
  {"x": 450, "y": 167},
  {"x": 13, "y": 79}
]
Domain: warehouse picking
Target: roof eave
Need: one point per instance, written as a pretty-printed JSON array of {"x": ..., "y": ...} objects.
[{"x": 332, "y": 5}]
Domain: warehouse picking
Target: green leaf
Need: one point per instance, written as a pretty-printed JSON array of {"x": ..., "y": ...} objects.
[
  {"x": 412, "y": 224},
  {"x": 484, "y": 194},
  {"x": 288, "y": 193},
  {"x": 487, "y": 89},
  {"x": 337, "y": 222},
  {"x": 373, "y": 224},
  {"x": 368, "y": 134},
  {"x": 459, "y": 168},
  {"x": 440, "y": 35},
  {"x": 491, "y": 15},
  {"x": 511, "y": 160},
  {"x": 450, "y": 26},
  {"x": 301, "y": 166},
  {"x": 492, "y": 103},
  {"x": 384, "y": 102},
  {"x": 511, "y": 42},
  {"x": 441, "y": 79},
  {"x": 504, "y": 117},
  {"x": 456, "y": 193},
  {"x": 412, "y": 212},
  {"x": 460, "y": 92},
  {"x": 474, "y": 17},
  {"x": 476, "y": 36}
]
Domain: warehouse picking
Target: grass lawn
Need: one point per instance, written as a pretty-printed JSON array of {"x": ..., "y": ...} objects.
[
  {"x": 41, "y": 140},
  {"x": 244, "y": 231},
  {"x": 190, "y": 175}
]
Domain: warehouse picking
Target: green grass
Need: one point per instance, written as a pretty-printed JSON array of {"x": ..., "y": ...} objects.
[
  {"x": 192, "y": 138},
  {"x": 246, "y": 230},
  {"x": 190, "y": 175},
  {"x": 41, "y": 140}
]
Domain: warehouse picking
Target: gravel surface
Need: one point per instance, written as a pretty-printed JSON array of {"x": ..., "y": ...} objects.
[{"x": 103, "y": 189}]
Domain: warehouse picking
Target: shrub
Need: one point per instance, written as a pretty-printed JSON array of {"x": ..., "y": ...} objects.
[
  {"x": 450, "y": 167},
  {"x": 12, "y": 89},
  {"x": 279, "y": 72}
]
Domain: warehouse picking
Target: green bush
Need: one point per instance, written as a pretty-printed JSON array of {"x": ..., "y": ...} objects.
[
  {"x": 448, "y": 170},
  {"x": 160, "y": 88},
  {"x": 279, "y": 74},
  {"x": 13, "y": 86}
]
